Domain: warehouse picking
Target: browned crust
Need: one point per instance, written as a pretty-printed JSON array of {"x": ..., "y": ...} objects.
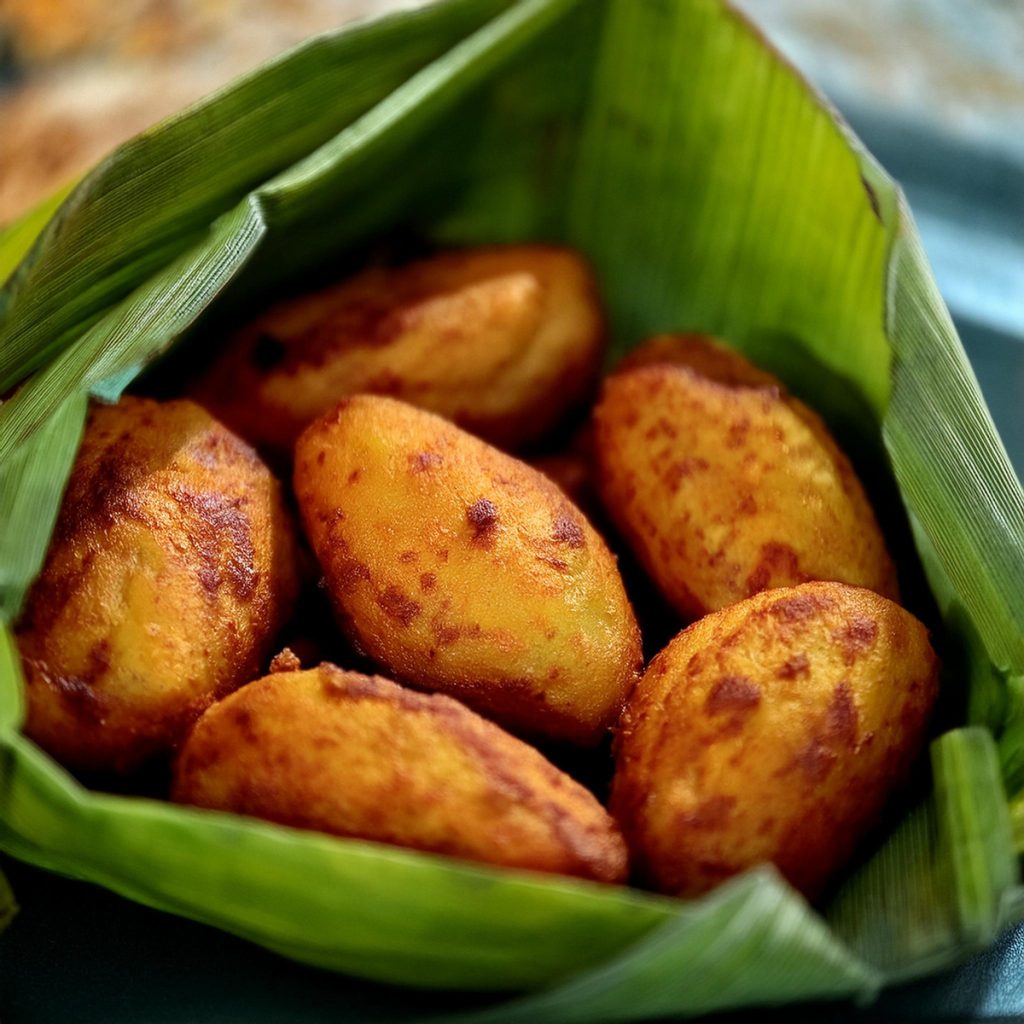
[
  {"x": 581, "y": 838},
  {"x": 846, "y": 746},
  {"x": 202, "y": 496}
]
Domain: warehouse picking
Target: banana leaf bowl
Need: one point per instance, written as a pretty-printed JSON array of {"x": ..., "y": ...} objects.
[{"x": 712, "y": 189}]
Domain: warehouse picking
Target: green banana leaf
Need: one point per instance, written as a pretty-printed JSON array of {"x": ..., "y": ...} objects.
[{"x": 712, "y": 189}]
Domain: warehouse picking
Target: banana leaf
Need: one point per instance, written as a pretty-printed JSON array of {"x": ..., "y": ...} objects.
[{"x": 712, "y": 189}]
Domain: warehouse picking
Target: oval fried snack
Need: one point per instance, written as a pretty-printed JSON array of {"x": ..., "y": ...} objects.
[
  {"x": 501, "y": 340},
  {"x": 359, "y": 756},
  {"x": 461, "y": 569},
  {"x": 724, "y": 485},
  {"x": 170, "y": 571},
  {"x": 773, "y": 730}
]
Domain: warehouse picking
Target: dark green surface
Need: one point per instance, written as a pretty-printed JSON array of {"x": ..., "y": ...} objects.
[{"x": 77, "y": 953}]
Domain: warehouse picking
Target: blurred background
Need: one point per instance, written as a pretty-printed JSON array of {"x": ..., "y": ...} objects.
[{"x": 934, "y": 87}]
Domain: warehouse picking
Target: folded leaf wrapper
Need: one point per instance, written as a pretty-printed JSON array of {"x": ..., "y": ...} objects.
[{"x": 712, "y": 190}]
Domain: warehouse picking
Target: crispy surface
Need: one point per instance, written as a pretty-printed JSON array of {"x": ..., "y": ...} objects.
[
  {"x": 170, "y": 571},
  {"x": 724, "y": 485},
  {"x": 359, "y": 756},
  {"x": 463, "y": 570},
  {"x": 502, "y": 340},
  {"x": 772, "y": 730}
]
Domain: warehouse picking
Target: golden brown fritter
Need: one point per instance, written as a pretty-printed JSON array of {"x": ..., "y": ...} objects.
[
  {"x": 724, "y": 485},
  {"x": 463, "y": 570},
  {"x": 503, "y": 341},
  {"x": 773, "y": 730},
  {"x": 169, "y": 573},
  {"x": 359, "y": 756}
]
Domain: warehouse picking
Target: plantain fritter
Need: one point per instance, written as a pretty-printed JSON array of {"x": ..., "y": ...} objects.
[
  {"x": 462, "y": 569},
  {"x": 359, "y": 756},
  {"x": 773, "y": 730},
  {"x": 501, "y": 340},
  {"x": 170, "y": 571},
  {"x": 724, "y": 485}
]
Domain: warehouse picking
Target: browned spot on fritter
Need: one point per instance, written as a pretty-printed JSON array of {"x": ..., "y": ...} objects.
[
  {"x": 815, "y": 760},
  {"x": 428, "y": 582},
  {"x": 99, "y": 659},
  {"x": 445, "y": 633},
  {"x": 841, "y": 717},
  {"x": 217, "y": 448},
  {"x": 794, "y": 667},
  {"x": 568, "y": 530},
  {"x": 398, "y": 605},
  {"x": 331, "y": 518},
  {"x": 219, "y": 531},
  {"x": 857, "y": 637},
  {"x": 711, "y": 814},
  {"x": 482, "y": 515},
  {"x": 362, "y": 322},
  {"x": 663, "y": 428},
  {"x": 106, "y": 494},
  {"x": 778, "y": 562},
  {"x": 408, "y": 557},
  {"x": 680, "y": 470},
  {"x": 731, "y": 702},
  {"x": 349, "y": 573},
  {"x": 738, "y": 433},
  {"x": 321, "y": 457},
  {"x": 732, "y": 694},
  {"x": 243, "y": 722},
  {"x": 559, "y": 564},
  {"x": 337, "y": 683},
  {"x": 795, "y": 609},
  {"x": 78, "y": 696},
  {"x": 420, "y": 462},
  {"x": 355, "y": 475},
  {"x": 747, "y": 505}
]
